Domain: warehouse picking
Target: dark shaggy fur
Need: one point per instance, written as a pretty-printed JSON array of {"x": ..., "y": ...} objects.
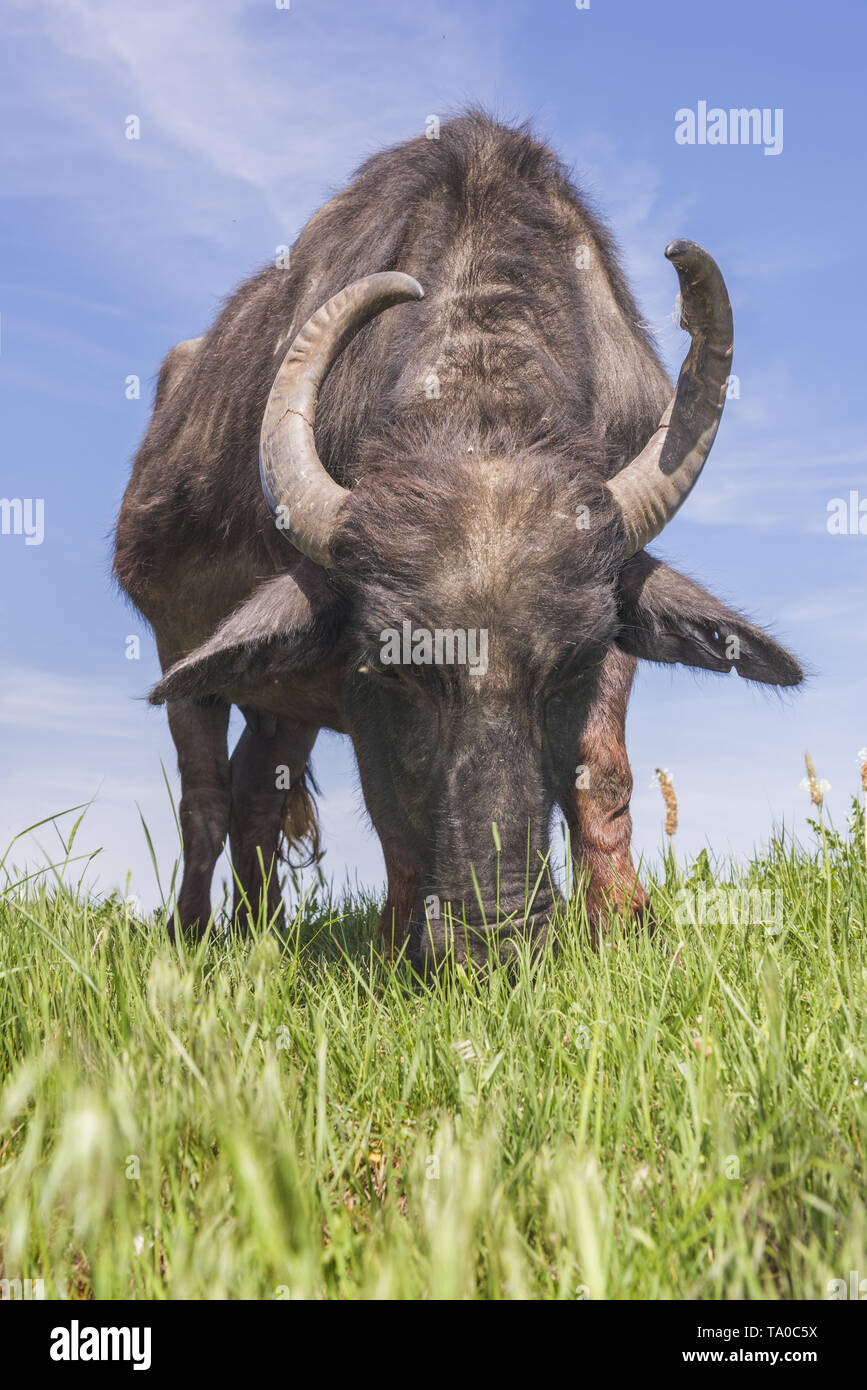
[{"x": 488, "y": 221}]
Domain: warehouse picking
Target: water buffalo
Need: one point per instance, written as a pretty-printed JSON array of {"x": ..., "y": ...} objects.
[{"x": 335, "y": 504}]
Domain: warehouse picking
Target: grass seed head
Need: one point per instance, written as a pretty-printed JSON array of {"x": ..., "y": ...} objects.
[
  {"x": 666, "y": 786},
  {"x": 817, "y": 789}
]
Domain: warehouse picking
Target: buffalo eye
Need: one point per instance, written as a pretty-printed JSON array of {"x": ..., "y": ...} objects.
[
  {"x": 569, "y": 679},
  {"x": 371, "y": 667}
]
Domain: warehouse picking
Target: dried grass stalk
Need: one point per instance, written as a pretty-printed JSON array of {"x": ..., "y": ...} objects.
[{"x": 666, "y": 786}]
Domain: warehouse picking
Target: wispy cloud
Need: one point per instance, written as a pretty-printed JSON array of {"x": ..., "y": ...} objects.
[
  {"x": 55, "y": 703},
  {"x": 776, "y": 482},
  {"x": 239, "y": 91}
]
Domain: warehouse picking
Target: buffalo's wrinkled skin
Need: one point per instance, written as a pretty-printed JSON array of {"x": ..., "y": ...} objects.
[{"x": 476, "y": 430}]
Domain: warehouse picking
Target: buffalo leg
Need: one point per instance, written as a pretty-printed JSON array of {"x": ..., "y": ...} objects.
[
  {"x": 199, "y": 734},
  {"x": 269, "y": 795},
  {"x": 403, "y": 881},
  {"x": 404, "y": 874},
  {"x": 597, "y": 813}
]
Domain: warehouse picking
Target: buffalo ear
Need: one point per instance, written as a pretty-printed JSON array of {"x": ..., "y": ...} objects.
[
  {"x": 666, "y": 617},
  {"x": 288, "y": 626}
]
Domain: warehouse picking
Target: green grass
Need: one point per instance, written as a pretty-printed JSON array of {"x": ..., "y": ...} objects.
[{"x": 674, "y": 1117}]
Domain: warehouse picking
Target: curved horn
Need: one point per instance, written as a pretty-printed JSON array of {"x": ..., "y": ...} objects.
[
  {"x": 292, "y": 474},
  {"x": 650, "y": 489}
]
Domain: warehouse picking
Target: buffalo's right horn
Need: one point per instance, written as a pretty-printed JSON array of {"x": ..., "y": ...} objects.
[
  {"x": 293, "y": 476},
  {"x": 650, "y": 489}
]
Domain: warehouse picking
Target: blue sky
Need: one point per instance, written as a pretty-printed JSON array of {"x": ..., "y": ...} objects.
[{"x": 111, "y": 250}]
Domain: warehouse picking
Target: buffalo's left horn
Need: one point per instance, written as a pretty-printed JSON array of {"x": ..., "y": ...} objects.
[
  {"x": 650, "y": 489},
  {"x": 293, "y": 476}
]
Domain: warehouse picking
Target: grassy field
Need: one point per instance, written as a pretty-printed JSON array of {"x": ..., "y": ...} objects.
[{"x": 675, "y": 1117}]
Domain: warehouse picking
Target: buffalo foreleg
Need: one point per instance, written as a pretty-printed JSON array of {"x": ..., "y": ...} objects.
[
  {"x": 269, "y": 797},
  {"x": 403, "y": 881},
  {"x": 199, "y": 734},
  {"x": 597, "y": 807}
]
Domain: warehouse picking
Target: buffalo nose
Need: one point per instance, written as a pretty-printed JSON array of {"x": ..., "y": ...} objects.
[{"x": 457, "y": 933}]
